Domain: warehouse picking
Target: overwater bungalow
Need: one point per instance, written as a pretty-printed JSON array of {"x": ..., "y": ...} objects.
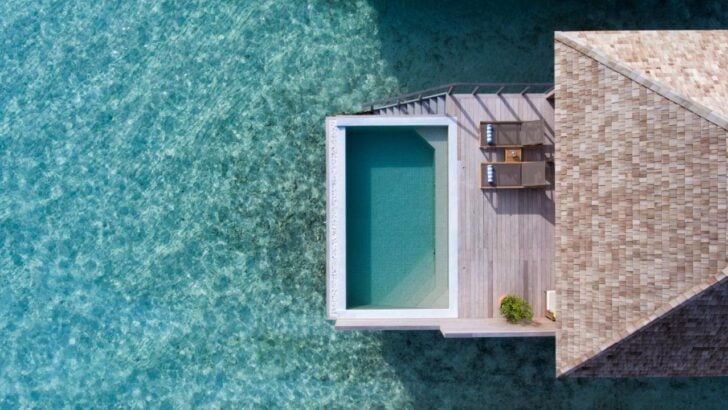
[{"x": 597, "y": 204}]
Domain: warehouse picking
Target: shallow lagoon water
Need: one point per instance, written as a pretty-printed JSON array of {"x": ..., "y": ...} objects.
[{"x": 162, "y": 202}]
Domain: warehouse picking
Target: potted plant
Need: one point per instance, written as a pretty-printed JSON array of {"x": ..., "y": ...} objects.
[{"x": 515, "y": 309}]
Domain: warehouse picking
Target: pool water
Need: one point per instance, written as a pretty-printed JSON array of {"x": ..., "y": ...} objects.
[
  {"x": 162, "y": 202},
  {"x": 391, "y": 218}
]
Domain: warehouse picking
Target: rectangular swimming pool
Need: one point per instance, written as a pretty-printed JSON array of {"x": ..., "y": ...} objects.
[
  {"x": 396, "y": 225},
  {"x": 392, "y": 252}
]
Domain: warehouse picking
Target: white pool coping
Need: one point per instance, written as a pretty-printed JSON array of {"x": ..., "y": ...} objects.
[{"x": 336, "y": 217}]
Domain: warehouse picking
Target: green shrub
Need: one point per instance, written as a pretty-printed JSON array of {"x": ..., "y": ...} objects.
[{"x": 515, "y": 309}]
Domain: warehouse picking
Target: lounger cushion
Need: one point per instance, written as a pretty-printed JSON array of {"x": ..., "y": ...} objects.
[
  {"x": 507, "y": 175},
  {"x": 534, "y": 173},
  {"x": 532, "y": 133},
  {"x": 507, "y": 134}
]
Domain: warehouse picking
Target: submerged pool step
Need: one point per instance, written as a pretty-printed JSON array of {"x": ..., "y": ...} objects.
[{"x": 430, "y": 294}]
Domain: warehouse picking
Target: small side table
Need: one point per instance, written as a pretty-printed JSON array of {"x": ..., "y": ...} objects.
[{"x": 513, "y": 155}]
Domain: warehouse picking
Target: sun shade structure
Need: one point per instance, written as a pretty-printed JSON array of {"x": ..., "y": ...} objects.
[{"x": 641, "y": 203}]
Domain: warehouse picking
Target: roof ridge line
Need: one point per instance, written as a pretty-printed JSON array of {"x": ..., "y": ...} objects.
[
  {"x": 660, "y": 312},
  {"x": 650, "y": 83}
]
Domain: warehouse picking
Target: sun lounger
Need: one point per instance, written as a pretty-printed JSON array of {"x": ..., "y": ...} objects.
[
  {"x": 514, "y": 175},
  {"x": 511, "y": 134}
]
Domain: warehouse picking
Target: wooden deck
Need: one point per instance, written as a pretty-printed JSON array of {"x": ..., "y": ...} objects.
[
  {"x": 456, "y": 328},
  {"x": 506, "y": 237}
]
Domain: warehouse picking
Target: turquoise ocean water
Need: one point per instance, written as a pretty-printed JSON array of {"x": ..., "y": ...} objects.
[{"x": 162, "y": 202}]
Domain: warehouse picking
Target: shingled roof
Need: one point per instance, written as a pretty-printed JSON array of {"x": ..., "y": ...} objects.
[{"x": 641, "y": 214}]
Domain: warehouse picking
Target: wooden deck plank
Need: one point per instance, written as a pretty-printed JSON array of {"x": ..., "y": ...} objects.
[
  {"x": 497, "y": 327},
  {"x": 456, "y": 328},
  {"x": 506, "y": 237}
]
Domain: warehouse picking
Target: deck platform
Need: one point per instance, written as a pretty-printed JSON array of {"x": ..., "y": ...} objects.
[
  {"x": 506, "y": 237},
  {"x": 456, "y": 328}
]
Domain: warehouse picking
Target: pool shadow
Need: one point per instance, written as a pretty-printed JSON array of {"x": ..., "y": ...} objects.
[
  {"x": 470, "y": 373},
  {"x": 440, "y": 373}
]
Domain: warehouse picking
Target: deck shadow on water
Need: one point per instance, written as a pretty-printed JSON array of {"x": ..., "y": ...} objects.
[
  {"x": 519, "y": 373},
  {"x": 437, "y": 42}
]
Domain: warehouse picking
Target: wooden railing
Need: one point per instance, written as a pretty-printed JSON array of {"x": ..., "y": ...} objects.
[{"x": 459, "y": 88}]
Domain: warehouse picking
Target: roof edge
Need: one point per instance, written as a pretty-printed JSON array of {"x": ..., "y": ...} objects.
[
  {"x": 663, "y": 310},
  {"x": 652, "y": 84}
]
